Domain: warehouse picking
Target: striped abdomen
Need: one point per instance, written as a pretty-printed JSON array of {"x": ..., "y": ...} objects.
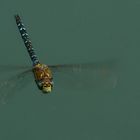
[{"x": 26, "y": 40}]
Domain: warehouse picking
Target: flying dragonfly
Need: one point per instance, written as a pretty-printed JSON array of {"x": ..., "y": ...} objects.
[{"x": 43, "y": 74}]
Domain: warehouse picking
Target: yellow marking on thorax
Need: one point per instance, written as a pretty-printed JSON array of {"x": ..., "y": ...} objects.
[{"x": 42, "y": 71}]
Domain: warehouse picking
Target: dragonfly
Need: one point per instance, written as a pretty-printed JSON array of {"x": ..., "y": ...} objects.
[{"x": 43, "y": 74}]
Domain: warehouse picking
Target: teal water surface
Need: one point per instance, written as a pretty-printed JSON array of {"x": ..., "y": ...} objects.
[{"x": 74, "y": 32}]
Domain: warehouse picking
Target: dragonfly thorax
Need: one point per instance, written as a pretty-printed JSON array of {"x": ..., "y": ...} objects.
[{"x": 43, "y": 77}]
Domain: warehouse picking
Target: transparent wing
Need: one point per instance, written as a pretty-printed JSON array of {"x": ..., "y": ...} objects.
[
  {"x": 86, "y": 76},
  {"x": 9, "y": 68},
  {"x": 14, "y": 84}
]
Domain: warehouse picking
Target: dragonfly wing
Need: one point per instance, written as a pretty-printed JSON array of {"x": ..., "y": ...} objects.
[
  {"x": 14, "y": 84},
  {"x": 85, "y": 76},
  {"x": 83, "y": 66},
  {"x": 9, "y": 68}
]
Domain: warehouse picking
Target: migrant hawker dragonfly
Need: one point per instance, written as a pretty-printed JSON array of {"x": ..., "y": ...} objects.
[{"x": 43, "y": 74}]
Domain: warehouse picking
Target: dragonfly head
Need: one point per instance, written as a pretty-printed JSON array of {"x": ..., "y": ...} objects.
[{"x": 47, "y": 87}]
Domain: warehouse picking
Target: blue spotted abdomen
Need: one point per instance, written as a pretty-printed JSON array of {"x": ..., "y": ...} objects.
[{"x": 26, "y": 40}]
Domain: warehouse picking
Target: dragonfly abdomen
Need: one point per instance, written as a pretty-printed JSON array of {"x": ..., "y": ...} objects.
[{"x": 26, "y": 40}]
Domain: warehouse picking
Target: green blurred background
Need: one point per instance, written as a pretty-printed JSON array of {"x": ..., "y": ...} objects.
[{"x": 74, "y": 31}]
